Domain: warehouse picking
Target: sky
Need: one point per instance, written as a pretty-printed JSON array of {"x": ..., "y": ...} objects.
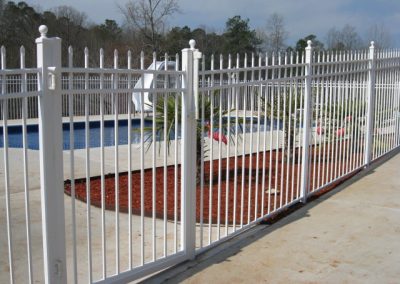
[{"x": 302, "y": 17}]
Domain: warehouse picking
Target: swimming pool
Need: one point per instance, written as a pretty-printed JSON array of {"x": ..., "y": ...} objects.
[{"x": 15, "y": 133}]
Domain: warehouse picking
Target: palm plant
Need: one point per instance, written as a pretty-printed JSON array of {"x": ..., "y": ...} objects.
[{"x": 169, "y": 108}]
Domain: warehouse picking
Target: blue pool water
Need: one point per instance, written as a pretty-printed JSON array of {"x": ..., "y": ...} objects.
[{"x": 15, "y": 134}]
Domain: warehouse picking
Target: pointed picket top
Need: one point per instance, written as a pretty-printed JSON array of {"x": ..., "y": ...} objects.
[
  {"x": 101, "y": 57},
  {"x": 70, "y": 56},
  {"x": 115, "y": 58},
  {"x": 3, "y": 57},
  {"x": 229, "y": 61},
  {"x": 142, "y": 61},
  {"x": 22, "y": 56},
  {"x": 86, "y": 52},
  {"x": 129, "y": 59}
]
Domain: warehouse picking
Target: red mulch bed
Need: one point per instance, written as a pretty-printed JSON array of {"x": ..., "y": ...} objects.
[{"x": 276, "y": 159}]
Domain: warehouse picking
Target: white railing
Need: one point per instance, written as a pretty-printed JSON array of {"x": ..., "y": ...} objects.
[{"x": 109, "y": 193}]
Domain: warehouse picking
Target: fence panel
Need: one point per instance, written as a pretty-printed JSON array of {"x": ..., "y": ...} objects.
[
  {"x": 126, "y": 170},
  {"x": 339, "y": 91},
  {"x": 162, "y": 163},
  {"x": 248, "y": 143},
  {"x": 20, "y": 200},
  {"x": 386, "y": 130}
]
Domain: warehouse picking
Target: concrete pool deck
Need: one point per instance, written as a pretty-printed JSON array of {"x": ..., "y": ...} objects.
[
  {"x": 17, "y": 204},
  {"x": 18, "y": 217},
  {"x": 350, "y": 235}
]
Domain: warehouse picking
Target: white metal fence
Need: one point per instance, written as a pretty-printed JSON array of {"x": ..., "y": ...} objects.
[{"x": 95, "y": 191}]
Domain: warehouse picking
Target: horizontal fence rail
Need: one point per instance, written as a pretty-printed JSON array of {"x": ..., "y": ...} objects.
[{"x": 138, "y": 169}]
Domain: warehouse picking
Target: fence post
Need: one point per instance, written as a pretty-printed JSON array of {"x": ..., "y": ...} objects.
[
  {"x": 371, "y": 106},
  {"x": 188, "y": 166},
  {"x": 51, "y": 158},
  {"x": 307, "y": 123}
]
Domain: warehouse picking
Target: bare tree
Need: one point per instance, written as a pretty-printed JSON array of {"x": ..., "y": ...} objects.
[
  {"x": 380, "y": 34},
  {"x": 149, "y": 18},
  {"x": 350, "y": 37},
  {"x": 332, "y": 38},
  {"x": 71, "y": 14},
  {"x": 345, "y": 39},
  {"x": 275, "y": 35},
  {"x": 72, "y": 24}
]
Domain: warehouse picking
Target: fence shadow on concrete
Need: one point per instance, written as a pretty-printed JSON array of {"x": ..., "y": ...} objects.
[{"x": 236, "y": 245}]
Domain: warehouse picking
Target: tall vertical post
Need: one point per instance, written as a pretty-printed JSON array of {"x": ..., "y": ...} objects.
[
  {"x": 190, "y": 57},
  {"x": 307, "y": 123},
  {"x": 370, "y": 106},
  {"x": 51, "y": 159}
]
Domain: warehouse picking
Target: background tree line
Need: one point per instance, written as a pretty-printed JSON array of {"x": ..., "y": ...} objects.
[{"x": 145, "y": 28}]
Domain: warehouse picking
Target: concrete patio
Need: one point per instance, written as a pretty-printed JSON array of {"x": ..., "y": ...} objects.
[{"x": 350, "y": 235}]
